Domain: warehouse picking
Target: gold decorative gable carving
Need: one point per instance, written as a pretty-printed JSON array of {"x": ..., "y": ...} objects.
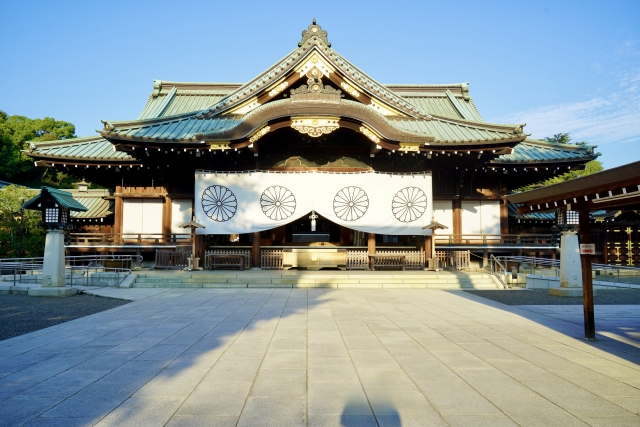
[
  {"x": 315, "y": 126},
  {"x": 259, "y": 133},
  {"x": 369, "y": 134}
]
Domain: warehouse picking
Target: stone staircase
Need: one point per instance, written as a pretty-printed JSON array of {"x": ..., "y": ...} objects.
[{"x": 315, "y": 279}]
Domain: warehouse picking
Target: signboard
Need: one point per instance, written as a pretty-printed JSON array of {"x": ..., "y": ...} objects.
[{"x": 587, "y": 248}]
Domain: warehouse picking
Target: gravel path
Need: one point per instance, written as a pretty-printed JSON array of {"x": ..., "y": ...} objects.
[
  {"x": 542, "y": 297},
  {"x": 21, "y": 314}
]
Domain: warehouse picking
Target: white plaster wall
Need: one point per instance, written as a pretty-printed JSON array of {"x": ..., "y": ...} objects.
[
  {"x": 443, "y": 213},
  {"x": 142, "y": 216},
  {"x": 481, "y": 217},
  {"x": 180, "y": 214},
  {"x": 471, "y": 217}
]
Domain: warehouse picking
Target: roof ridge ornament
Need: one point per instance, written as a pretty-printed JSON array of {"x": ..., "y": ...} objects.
[
  {"x": 315, "y": 86},
  {"x": 314, "y": 32}
]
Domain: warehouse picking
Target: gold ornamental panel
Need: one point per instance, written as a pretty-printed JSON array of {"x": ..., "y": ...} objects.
[
  {"x": 219, "y": 145},
  {"x": 315, "y": 126},
  {"x": 410, "y": 147}
]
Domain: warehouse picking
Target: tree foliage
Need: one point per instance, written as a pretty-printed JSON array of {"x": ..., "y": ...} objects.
[
  {"x": 590, "y": 167},
  {"x": 11, "y": 199},
  {"x": 17, "y": 167}
]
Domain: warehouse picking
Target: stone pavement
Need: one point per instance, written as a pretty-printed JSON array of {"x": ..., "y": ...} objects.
[{"x": 321, "y": 357}]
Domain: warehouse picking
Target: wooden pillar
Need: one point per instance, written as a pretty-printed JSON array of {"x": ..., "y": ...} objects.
[
  {"x": 456, "y": 204},
  {"x": 427, "y": 247},
  {"x": 255, "y": 250},
  {"x": 371, "y": 243},
  {"x": 119, "y": 212},
  {"x": 198, "y": 246},
  {"x": 587, "y": 281},
  {"x": 166, "y": 219},
  {"x": 504, "y": 217}
]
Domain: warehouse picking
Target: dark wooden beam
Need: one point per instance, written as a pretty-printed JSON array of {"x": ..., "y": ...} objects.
[{"x": 587, "y": 281}]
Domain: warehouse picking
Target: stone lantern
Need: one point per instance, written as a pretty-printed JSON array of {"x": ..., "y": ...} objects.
[{"x": 56, "y": 206}]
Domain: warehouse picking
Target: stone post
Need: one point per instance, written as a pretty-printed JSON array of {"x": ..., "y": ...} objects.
[
  {"x": 53, "y": 266},
  {"x": 53, "y": 279},
  {"x": 570, "y": 267}
]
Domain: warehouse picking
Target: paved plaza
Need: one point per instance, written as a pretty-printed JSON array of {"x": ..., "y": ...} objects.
[{"x": 324, "y": 357}]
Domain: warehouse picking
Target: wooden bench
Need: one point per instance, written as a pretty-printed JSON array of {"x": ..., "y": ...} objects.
[
  {"x": 387, "y": 261},
  {"x": 223, "y": 261}
]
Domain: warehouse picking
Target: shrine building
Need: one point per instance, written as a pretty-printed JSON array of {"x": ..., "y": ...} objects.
[{"x": 311, "y": 155}]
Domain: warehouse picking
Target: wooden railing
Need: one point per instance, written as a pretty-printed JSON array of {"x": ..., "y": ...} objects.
[
  {"x": 271, "y": 259},
  {"x": 245, "y": 252},
  {"x": 142, "y": 239},
  {"x": 173, "y": 259},
  {"x": 498, "y": 239}
]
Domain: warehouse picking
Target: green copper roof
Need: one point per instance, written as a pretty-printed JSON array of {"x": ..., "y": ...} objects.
[
  {"x": 97, "y": 206},
  {"x": 93, "y": 148},
  {"x": 172, "y": 98},
  {"x": 63, "y": 198},
  {"x": 175, "y": 128},
  {"x": 451, "y": 131},
  {"x": 533, "y": 151}
]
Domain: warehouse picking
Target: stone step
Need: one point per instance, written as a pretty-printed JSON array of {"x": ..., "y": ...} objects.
[
  {"x": 242, "y": 280},
  {"x": 474, "y": 281},
  {"x": 319, "y": 285}
]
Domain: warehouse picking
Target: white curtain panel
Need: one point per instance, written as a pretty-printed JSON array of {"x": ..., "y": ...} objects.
[{"x": 247, "y": 202}]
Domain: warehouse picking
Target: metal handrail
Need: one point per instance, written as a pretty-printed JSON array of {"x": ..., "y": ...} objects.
[
  {"x": 83, "y": 263},
  {"x": 493, "y": 262},
  {"x": 618, "y": 273}
]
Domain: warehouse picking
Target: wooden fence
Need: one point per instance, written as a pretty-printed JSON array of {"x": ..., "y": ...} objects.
[
  {"x": 453, "y": 260},
  {"x": 357, "y": 260},
  {"x": 414, "y": 260},
  {"x": 271, "y": 259},
  {"x": 173, "y": 259},
  {"x": 245, "y": 252}
]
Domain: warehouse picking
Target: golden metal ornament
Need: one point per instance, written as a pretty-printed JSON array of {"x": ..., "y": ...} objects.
[
  {"x": 410, "y": 147},
  {"x": 349, "y": 89},
  {"x": 315, "y": 126},
  {"x": 279, "y": 88},
  {"x": 219, "y": 145},
  {"x": 260, "y": 133},
  {"x": 369, "y": 134}
]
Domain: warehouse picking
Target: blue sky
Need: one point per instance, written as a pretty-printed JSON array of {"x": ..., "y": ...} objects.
[{"x": 559, "y": 66}]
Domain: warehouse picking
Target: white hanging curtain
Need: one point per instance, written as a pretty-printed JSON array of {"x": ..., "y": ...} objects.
[{"x": 247, "y": 202}]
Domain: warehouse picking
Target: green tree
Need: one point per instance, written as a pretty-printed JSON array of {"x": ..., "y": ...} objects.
[
  {"x": 561, "y": 138},
  {"x": 11, "y": 199},
  {"x": 15, "y": 131}
]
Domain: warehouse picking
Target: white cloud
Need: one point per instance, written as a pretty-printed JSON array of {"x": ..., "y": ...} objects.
[{"x": 615, "y": 118}]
